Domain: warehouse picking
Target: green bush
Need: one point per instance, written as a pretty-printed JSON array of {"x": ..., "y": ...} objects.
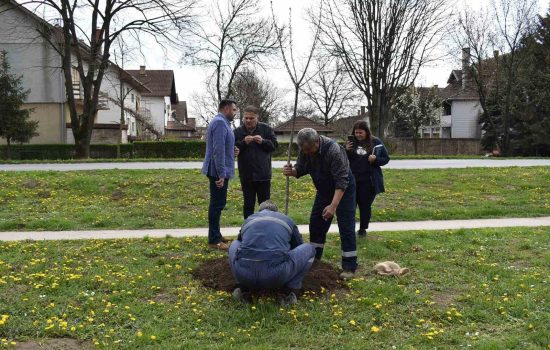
[
  {"x": 282, "y": 150},
  {"x": 50, "y": 151},
  {"x": 170, "y": 149},
  {"x": 163, "y": 149},
  {"x": 109, "y": 151},
  {"x": 63, "y": 151}
]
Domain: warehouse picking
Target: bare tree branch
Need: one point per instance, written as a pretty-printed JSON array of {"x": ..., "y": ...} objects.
[
  {"x": 239, "y": 40},
  {"x": 383, "y": 44},
  {"x": 330, "y": 89}
]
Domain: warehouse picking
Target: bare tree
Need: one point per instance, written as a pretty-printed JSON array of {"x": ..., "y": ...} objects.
[
  {"x": 383, "y": 44},
  {"x": 205, "y": 104},
  {"x": 251, "y": 89},
  {"x": 238, "y": 40},
  {"x": 83, "y": 36},
  {"x": 122, "y": 53},
  {"x": 331, "y": 90},
  {"x": 485, "y": 34},
  {"x": 514, "y": 20},
  {"x": 472, "y": 35},
  {"x": 297, "y": 75}
]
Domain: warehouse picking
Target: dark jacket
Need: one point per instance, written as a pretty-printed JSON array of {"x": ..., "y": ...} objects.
[
  {"x": 363, "y": 170},
  {"x": 255, "y": 159},
  {"x": 329, "y": 167}
]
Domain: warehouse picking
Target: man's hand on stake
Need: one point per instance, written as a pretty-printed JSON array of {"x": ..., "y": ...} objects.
[
  {"x": 237, "y": 151},
  {"x": 258, "y": 139},
  {"x": 288, "y": 170}
]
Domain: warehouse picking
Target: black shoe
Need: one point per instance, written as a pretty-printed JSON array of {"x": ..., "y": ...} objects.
[
  {"x": 362, "y": 233},
  {"x": 242, "y": 295},
  {"x": 288, "y": 299}
]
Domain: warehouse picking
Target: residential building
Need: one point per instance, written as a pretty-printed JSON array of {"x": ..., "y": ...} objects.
[
  {"x": 180, "y": 126},
  {"x": 461, "y": 107},
  {"x": 162, "y": 95},
  {"x": 283, "y": 131},
  {"x": 33, "y": 57}
]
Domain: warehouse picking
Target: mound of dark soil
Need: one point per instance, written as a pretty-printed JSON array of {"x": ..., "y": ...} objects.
[{"x": 216, "y": 274}]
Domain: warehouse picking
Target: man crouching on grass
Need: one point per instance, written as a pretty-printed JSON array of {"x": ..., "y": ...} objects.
[{"x": 269, "y": 253}]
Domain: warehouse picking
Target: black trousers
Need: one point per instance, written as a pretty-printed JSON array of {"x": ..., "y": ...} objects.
[
  {"x": 365, "y": 198},
  {"x": 253, "y": 190}
]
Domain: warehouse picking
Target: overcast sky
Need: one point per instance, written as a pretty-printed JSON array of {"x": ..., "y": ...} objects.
[{"x": 191, "y": 79}]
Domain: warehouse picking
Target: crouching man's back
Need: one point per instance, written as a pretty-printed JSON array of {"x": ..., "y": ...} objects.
[{"x": 269, "y": 254}]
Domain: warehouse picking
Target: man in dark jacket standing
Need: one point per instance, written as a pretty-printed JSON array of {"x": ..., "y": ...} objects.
[
  {"x": 256, "y": 141},
  {"x": 327, "y": 164}
]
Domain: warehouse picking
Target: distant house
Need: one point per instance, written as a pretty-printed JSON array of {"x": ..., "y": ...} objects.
[
  {"x": 162, "y": 97},
  {"x": 119, "y": 91},
  {"x": 343, "y": 126},
  {"x": 180, "y": 126},
  {"x": 283, "y": 131},
  {"x": 461, "y": 107},
  {"x": 33, "y": 57}
]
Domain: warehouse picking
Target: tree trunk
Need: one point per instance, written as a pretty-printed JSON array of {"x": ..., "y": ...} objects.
[
  {"x": 374, "y": 114},
  {"x": 83, "y": 137},
  {"x": 506, "y": 140},
  {"x": 8, "y": 149},
  {"x": 287, "y": 189},
  {"x": 121, "y": 92}
]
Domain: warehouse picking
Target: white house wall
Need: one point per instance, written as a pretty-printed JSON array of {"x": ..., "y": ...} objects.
[
  {"x": 111, "y": 87},
  {"x": 158, "y": 111},
  {"x": 31, "y": 56},
  {"x": 465, "y": 116}
]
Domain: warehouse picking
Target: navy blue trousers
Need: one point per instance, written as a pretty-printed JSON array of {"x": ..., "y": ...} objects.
[
  {"x": 365, "y": 198},
  {"x": 274, "y": 273},
  {"x": 345, "y": 215},
  {"x": 218, "y": 199}
]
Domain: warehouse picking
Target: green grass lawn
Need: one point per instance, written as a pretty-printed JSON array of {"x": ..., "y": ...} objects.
[
  {"x": 124, "y": 160},
  {"x": 483, "y": 288},
  {"x": 179, "y": 198}
]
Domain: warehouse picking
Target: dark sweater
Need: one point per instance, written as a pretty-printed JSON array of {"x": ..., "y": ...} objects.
[
  {"x": 255, "y": 159},
  {"x": 363, "y": 170}
]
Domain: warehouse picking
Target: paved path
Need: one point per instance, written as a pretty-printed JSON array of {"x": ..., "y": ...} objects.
[
  {"x": 394, "y": 164},
  {"x": 233, "y": 231}
]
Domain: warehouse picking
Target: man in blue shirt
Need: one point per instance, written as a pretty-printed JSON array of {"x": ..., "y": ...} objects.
[
  {"x": 269, "y": 254},
  {"x": 219, "y": 166}
]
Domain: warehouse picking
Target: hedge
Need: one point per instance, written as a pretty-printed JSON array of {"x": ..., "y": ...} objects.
[
  {"x": 163, "y": 149},
  {"x": 62, "y": 151}
]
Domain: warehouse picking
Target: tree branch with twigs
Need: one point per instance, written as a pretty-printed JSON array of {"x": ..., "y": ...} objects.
[{"x": 297, "y": 76}]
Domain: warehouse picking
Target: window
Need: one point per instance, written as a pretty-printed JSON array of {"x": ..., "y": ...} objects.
[
  {"x": 76, "y": 83},
  {"x": 446, "y": 108}
]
